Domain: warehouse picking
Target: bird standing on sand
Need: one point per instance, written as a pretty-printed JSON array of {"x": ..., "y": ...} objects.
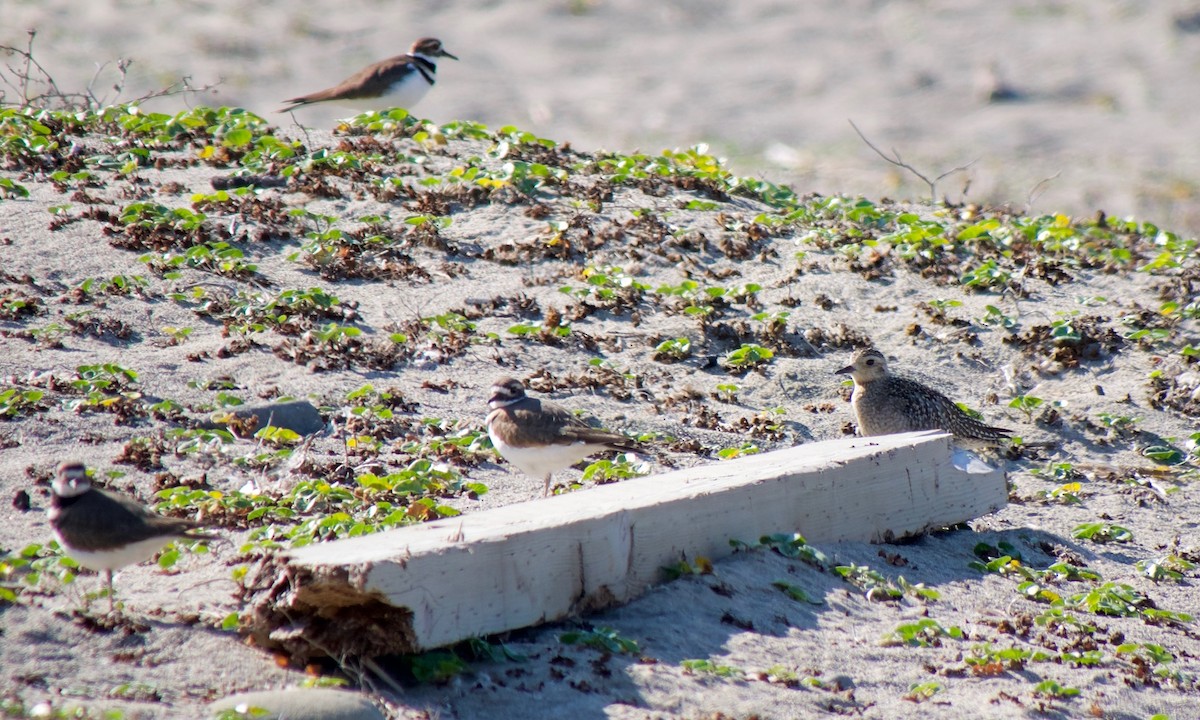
[
  {"x": 540, "y": 437},
  {"x": 106, "y": 531},
  {"x": 884, "y": 404},
  {"x": 399, "y": 81}
]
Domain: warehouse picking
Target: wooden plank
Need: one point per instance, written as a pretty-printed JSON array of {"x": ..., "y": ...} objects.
[{"x": 546, "y": 559}]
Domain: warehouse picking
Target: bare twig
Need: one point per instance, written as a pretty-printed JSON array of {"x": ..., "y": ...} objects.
[
  {"x": 1037, "y": 190},
  {"x": 122, "y": 70},
  {"x": 307, "y": 138},
  {"x": 28, "y": 75},
  {"x": 374, "y": 667},
  {"x": 25, "y": 75},
  {"x": 898, "y": 161}
]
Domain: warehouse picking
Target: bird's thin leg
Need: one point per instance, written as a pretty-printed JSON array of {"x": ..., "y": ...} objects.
[
  {"x": 546, "y": 486},
  {"x": 109, "y": 584}
]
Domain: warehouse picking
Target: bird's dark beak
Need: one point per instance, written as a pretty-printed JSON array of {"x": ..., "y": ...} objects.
[
  {"x": 845, "y": 371},
  {"x": 446, "y": 54},
  {"x": 494, "y": 398}
]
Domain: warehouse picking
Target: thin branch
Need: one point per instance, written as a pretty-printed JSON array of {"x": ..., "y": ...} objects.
[
  {"x": 24, "y": 76},
  {"x": 119, "y": 85},
  {"x": 382, "y": 674},
  {"x": 28, "y": 75},
  {"x": 1037, "y": 190},
  {"x": 898, "y": 161}
]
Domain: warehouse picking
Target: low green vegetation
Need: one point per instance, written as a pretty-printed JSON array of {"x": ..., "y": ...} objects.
[
  {"x": 594, "y": 230},
  {"x": 713, "y": 668},
  {"x": 604, "y": 639}
]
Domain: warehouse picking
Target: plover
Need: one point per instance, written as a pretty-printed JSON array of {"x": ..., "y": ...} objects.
[
  {"x": 399, "y": 81},
  {"x": 884, "y": 404},
  {"x": 541, "y": 437},
  {"x": 106, "y": 531}
]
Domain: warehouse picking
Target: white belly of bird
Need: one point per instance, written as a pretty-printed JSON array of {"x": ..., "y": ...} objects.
[
  {"x": 539, "y": 462},
  {"x": 116, "y": 558},
  {"x": 404, "y": 94}
]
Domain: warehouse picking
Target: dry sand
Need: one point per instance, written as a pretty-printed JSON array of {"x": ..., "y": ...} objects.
[
  {"x": 1106, "y": 91},
  {"x": 771, "y": 75}
]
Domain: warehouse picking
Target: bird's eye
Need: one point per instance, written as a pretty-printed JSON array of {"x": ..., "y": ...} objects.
[{"x": 871, "y": 361}]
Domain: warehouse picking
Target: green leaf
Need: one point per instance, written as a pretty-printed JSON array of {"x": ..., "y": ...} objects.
[
  {"x": 795, "y": 593},
  {"x": 168, "y": 559},
  {"x": 238, "y": 138}
]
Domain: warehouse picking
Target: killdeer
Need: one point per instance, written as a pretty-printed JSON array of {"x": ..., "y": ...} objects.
[
  {"x": 399, "y": 81},
  {"x": 884, "y": 404},
  {"x": 540, "y": 437},
  {"x": 106, "y": 531}
]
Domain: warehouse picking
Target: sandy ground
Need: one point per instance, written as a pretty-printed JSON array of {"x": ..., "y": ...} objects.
[
  {"x": 1104, "y": 93},
  {"x": 750, "y": 78}
]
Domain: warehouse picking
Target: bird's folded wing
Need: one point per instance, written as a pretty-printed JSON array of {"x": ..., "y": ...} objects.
[{"x": 113, "y": 522}]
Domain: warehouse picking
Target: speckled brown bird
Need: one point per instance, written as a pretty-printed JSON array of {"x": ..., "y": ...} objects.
[
  {"x": 540, "y": 437},
  {"x": 105, "y": 531},
  {"x": 885, "y": 404}
]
